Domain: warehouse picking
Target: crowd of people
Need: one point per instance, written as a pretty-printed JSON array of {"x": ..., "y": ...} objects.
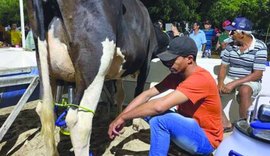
[
  {"x": 11, "y": 36},
  {"x": 206, "y": 37},
  {"x": 190, "y": 113}
]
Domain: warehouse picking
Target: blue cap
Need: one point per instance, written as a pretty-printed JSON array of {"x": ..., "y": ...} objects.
[{"x": 240, "y": 23}]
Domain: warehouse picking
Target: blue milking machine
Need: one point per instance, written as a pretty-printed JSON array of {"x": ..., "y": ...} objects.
[{"x": 62, "y": 104}]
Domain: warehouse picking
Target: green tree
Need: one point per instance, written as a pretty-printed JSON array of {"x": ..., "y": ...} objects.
[
  {"x": 256, "y": 10},
  {"x": 172, "y": 10},
  {"x": 216, "y": 10},
  {"x": 204, "y": 7},
  {"x": 9, "y": 12}
]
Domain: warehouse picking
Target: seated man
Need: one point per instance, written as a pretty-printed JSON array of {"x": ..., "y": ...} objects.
[
  {"x": 245, "y": 59},
  {"x": 196, "y": 126}
]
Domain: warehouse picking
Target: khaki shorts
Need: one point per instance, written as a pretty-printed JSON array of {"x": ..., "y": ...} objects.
[{"x": 255, "y": 86}]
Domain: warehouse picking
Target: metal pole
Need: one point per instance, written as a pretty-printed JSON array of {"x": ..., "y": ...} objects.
[{"x": 22, "y": 23}]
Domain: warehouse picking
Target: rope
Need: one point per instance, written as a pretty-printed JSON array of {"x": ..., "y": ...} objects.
[
  {"x": 60, "y": 121},
  {"x": 65, "y": 104}
]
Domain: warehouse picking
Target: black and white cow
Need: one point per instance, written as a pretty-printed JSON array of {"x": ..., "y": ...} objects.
[{"x": 86, "y": 42}]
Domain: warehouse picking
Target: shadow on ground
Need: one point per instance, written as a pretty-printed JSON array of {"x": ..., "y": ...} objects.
[{"x": 26, "y": 120}]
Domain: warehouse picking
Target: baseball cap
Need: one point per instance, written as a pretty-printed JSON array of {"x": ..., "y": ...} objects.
[
  {"x": 240, "y": 23},
  {"x": 226, "y": 23},
  {"x": 179, "y": 46}
]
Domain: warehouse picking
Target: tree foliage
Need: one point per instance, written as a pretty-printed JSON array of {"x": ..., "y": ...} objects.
[
  {"x": 216, "y": 10},
  {"x": 172, "y": 10},
  {"x": 9, "y": 12},
  {"x": 256, "y": 10}
]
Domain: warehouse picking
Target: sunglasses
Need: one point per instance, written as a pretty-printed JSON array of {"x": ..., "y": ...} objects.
[
  {"x": 170, "y": 63},
  {"x": 234, "y": 32}
]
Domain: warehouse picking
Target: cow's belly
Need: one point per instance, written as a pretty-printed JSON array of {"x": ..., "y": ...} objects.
[{"x": 60, "y": 64}]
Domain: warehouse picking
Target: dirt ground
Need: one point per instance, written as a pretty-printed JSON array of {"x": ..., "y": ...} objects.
[{"x": 24, "y": 139}]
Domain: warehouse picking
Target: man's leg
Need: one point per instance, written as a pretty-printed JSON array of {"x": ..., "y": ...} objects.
[
  {"x": 227, "y": 125},
  {"x": 245, "y": 93},
  {"x": 185, "y": 132},
  {"x": 226, "y": 100}
]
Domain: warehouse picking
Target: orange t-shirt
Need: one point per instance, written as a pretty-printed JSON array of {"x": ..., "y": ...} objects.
[{"x": 204, "y": 104}]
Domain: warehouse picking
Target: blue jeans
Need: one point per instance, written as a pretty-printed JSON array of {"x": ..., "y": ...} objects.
[{"x": 184, "y": 132}]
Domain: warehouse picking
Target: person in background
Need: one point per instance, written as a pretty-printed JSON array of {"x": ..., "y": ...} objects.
[
  {"x": 195, "y": 125},
  {"x": 160, "y": 23},
  {"x": 26, "y": 29},
  {"x": 222, "y": 42},
  {"x": 29, "y": 41},
  {"x": 177, "y": 29},
  {"x": 16, "y": 37},
  {"x": 4, "y": 37},
  {"x": 210, "y": 36},
  {"x": 245, "y": 61},
  {"x": 217, "y": 31},
  {"x": 199, "y": 37},
  {"x": 2, "y": 31}
]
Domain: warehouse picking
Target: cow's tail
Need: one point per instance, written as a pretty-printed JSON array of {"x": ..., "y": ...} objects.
[{"x": 45, "y": 109}]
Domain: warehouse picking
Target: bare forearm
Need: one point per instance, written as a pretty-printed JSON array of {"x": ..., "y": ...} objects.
[
  {"x": 255, "y": 76},
  {"x": 222, "y": 73},
  {"x": 217, "y": 45},
  {"x": 147, "y": 109},
  {"x": 141, "y": 99}
]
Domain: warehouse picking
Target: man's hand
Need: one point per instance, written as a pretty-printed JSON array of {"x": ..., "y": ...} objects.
[
  {"x": 115, "y": 127},
  {"x": 226, "y": 88},
  {"x": 229, "y": 87},
  {"x": 221, "y": 87}
]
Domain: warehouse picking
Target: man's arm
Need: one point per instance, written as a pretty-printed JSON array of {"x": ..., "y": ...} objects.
[
  {"x": 221, "y": 76},
  {"x": 149, "y": 108},
  {"x": 218, "y": 45},
  {"x": 156, "y": 106},
  {"x": 254, "y": 76},
  {"x": 140, "y": 99}
]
